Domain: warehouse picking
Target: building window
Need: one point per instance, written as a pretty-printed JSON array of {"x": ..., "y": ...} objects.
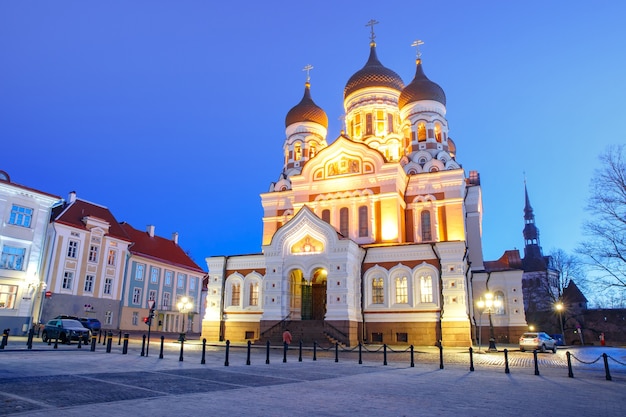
[
  {"x": 498, "y": 299},
  {"x": 68, "y": 277},
  {"x": 390, "y": 127},
  {"x": 8, "y": 294},
  {"x": 135, "y": 318},
  {"x": 402, "y": 290},
  {"x": 312, "y": 151},
  {"x": 168, "y": 278},
  {"x": 254, "y": 294},
  {"x": 343, "y": 221},
  {"x": 181, "y": 281},
  {"x": 89, "y": 283},
  {"x": 108, "y": 286},
  {"x": 421, "y": 132},
  {"x": 297, "y": 152},
  {"x": 368, "y": 124},
  {"x": 108, "y": 317},
  {"x": 72, "y": 249},
  {"x": 426, "y": 289},
  {"x": 236, "y": 295},
  {"x": 93, "y": 253},
  {"x": 357, "y": 125},
  {"x": 378, "y": 291},
  {"x": 136, "y": 295},
  {"x": 111, "y": 257},
  {"x": 12, "y": 258},
  {"x": 154, "y": 275},
  {"x": 326, "y": 216},
  {"x": 139, "y": 269},
  {"x": 192, "y": 283},
  {"x": 166, "y": 301},
  {"x": 380, "y": 122},
  {"x": 438, "y": 132},
  {"x": 425, "y": 223},
  {"x": 152, "y": 296},
  {"x": 21, "y": 216},
  {"x": 363, "y": 222}
]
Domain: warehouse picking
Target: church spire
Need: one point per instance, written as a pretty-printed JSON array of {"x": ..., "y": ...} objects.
[{"x": 532, "y": 250}]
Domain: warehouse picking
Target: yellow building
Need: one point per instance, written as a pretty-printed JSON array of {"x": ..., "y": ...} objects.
[{"x": 375, "y": 237}]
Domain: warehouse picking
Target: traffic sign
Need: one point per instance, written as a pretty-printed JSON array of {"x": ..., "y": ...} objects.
[{"x": 151, "y": 304}]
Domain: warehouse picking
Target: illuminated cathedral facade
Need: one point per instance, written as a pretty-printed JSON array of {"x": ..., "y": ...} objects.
[{"x": 373, "y": 238}]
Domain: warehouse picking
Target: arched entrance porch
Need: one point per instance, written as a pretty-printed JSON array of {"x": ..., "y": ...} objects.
[{"x": 308, "y": 295}]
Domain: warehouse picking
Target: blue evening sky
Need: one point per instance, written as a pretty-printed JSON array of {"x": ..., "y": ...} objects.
[{"x": 172, "y": 113}]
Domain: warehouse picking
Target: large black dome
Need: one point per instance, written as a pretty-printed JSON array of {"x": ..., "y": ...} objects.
[
  {"x": 373, "y": 74},
  {"x": 421, "y": 88}
]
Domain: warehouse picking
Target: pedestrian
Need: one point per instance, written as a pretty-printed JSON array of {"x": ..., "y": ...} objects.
[{"x": 286, "y": 338}]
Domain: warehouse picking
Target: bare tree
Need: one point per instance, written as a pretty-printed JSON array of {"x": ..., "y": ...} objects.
[
  {"x": 568, "y": 268},
  {"x": 604, "y": 247}
]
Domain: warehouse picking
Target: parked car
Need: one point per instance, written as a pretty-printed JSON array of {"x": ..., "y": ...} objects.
[
  {"x": 65, "y": 330},
  {"x": 537, "y": 341},
  {"x": 91, "y": 323}
]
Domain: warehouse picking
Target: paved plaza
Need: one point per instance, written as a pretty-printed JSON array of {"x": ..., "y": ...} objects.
[{"x": 78, "y": 382}]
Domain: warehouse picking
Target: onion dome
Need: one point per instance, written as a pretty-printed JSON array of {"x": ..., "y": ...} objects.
[
  {"x": 373, "y": 74},
  {"x": 421, "y": 88},
  {"x": 306, "y": 111}
]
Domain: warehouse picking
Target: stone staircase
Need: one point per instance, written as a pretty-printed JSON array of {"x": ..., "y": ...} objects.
[{"x": 307, "y": 331}]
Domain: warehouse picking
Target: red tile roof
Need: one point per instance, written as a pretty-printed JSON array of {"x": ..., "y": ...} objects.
[
  {"x": 509, "y": 260},
  {"x": 159, "y": 248},
  {"x": 72, "y": 214}
]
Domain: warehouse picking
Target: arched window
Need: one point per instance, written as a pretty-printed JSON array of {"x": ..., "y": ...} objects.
[
  {"x": 438, "y": 135},
  {"x": 390, "y": 127},
  {"x": 297, "y": 152},
  {"x": 344, "y": 227},
  {"x": 402, "y": 290},
  {"x": 378, "y": 291},
  {"x": 254, "y": 294},
  {"x": 235, "y": 298},
  {"x": 426, "y": 289},
  {"x": 326, "y": 215},
  {"x": 363, "y": 222},
  {"x": 427, "y": 235},
  {"x": 421, "y": 132},
  {"x": 498, "y": 298},
  {"x": 369, "y": 129},
  {"x": 380, "y": 122},
  {"x": 312, "y": 151},
  {"x": 357, "y": 125}
]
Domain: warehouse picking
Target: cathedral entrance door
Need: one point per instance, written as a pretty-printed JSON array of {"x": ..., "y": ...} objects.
[{"x": 319, "y": 301}]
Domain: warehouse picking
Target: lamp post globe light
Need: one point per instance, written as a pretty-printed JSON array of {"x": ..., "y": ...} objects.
[
  {"x": 184, "y": 306},
  {"x": 490, "y": 303},
  {"x": 559, "y": 308},
  {"x": 481, "y": 308}
]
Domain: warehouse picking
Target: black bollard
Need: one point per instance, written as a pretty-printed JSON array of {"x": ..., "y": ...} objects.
[
  {"x": 227, "y": 351},
  {"x": 360, "y": 354},
  {"x": 440, "y": 355},
  {"x": 182, "y": 344},
  {"x": 248, "y": 355},
  {"x": 99, "y": 336},
  {"x": 300, "y": 352},
  {"x": 5, "y": 338},
  {"x": 203, "y": 361},
  {"x": 606, "y": 366},
  {"x": 31, "y": 334},
  {"x": 143, "y": 345},
  {"x": 109, "y": 341},
  {"x": 285, "y": 347},
  {"x": 506, "y": 361},
  {"x": 336, "y": 352},
  {"x": 125, "y": 346},
  {"x": 412, "y": 361},
  {"x": 161, "y": 352},
  {"x": 119, "y": 341},
  {"x": 570, "y": 373},
  {"x": 471, "y": 352},
  {"x": 315, "y": 350},
  {"x": 267, "y": 353},
  {"x": 56, "y": 342},
  {"x": 536, "y": 364},
  {"x": 93, "y": 342},
  {"x": 104, "y": 338},
  {"x": 80, "y": 343},
  {"x": 385, "y": 354}
]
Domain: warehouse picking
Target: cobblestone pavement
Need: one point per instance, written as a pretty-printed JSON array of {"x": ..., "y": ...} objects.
[{"x": 69, "y": 381}]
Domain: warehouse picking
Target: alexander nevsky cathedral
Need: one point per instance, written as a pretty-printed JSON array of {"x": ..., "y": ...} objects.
[{"x": 374, "y": 236}]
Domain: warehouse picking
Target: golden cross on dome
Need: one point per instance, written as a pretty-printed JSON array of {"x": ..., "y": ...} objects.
[
  {"x": 417, "y": 45},
  {"x": 308, "y": 69},
  {"x": 371, "y": 24}
]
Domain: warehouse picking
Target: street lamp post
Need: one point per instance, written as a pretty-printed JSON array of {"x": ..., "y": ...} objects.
[
  {"x": 559, "y": 308},
  {"x": 490, "y": 303},
  {"x": 184, "y": 305},
  {"x": 481, "y": 308}
]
